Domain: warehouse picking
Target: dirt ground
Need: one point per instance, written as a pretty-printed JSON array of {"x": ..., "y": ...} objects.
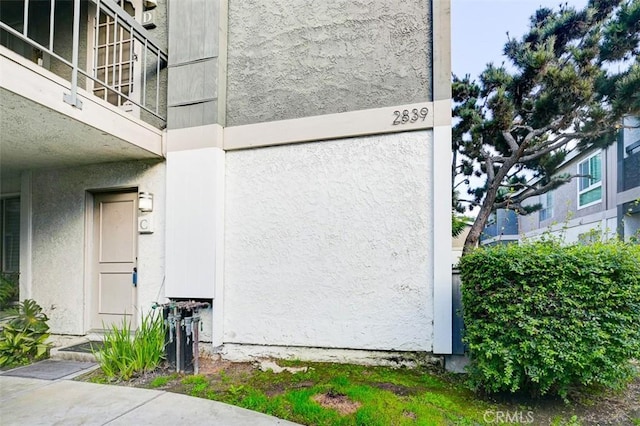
[{"x": 619, "y": 408}]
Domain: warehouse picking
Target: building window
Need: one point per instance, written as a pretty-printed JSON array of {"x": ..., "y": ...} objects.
[
  {"x": 590, "y": 185},
  {"x": 547, "y": 206},
  {"x": 10, "y": 234}
]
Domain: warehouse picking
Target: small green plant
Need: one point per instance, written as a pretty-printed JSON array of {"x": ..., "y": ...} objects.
[
  {"x": 573, "y": 421},
  {"x": 543, "y": 317},
  {"x": 123, "y": 356},
  {"x": 8, "y": 290},
  {"x": 459, "y": 223},
  {"x": 24, "y": 334},
  {"x": 161, "y": 381}
]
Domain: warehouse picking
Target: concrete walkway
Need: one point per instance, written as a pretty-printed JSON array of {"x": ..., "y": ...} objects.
[{"x": 29, "y": 401}]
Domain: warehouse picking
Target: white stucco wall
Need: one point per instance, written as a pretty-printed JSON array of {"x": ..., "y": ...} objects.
[
  {"x": 328, "y": 244},
  {"x": 58, "y": 237}
]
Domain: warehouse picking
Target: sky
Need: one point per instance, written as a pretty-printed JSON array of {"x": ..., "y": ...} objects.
[{"x": 479, "y": 29}]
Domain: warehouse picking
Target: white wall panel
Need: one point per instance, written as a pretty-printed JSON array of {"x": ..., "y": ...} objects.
[{"x": 195, "y": 184}]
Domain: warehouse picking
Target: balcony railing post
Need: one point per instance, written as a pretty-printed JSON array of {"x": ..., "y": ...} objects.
[
  {"x": 72, "y": 98},
  {"x": 25, "y": 24}
]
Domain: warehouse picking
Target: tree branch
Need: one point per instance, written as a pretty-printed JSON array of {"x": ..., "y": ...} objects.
[
  {"x": 489, "y": 166},
  {"x": 532, "y": 191},
  {"x": 513, "y": 144}
]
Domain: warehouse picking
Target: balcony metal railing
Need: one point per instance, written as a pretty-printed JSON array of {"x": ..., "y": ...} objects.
[{"x": 126, "y": 62}]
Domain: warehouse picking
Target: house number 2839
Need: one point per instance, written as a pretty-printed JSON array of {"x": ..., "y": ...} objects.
[{"x": 409, "y": 116}]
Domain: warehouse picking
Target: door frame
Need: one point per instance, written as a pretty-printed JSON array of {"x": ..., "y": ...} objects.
[{"x": 89, "y": 247}]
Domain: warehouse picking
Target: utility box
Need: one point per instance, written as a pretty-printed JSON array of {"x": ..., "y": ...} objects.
[{"x": 182, "y": 321}]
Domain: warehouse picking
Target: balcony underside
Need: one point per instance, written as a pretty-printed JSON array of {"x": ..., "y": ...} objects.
[{"x": 39, "y": 130}]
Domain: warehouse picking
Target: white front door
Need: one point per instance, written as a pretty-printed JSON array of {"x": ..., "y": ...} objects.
[{"x": 113, "y": 294}]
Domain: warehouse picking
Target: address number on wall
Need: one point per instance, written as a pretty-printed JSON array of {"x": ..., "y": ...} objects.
[{"x": 409, "y": 116}]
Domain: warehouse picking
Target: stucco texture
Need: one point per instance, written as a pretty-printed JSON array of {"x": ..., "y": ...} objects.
[
  {"x": 58, "y": 242},
  {"x": 295, "y": 58},
  {"x": 328, "y": 244}
]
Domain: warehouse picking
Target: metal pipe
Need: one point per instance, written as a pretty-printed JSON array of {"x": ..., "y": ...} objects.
[
  {"x": 52, "y": 23},
  {"x": 178, "y": 339},
  {"x": 196, "y": 338}
]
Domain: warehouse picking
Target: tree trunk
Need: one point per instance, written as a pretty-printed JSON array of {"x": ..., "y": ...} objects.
[
  {"x": 476, "y": 230},
  {"x": 473, "y": 238}
]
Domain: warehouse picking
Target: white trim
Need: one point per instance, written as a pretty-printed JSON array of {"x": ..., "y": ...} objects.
[
  {"x": 218, "y": 291},
  {"x": 441, "y": 172},
  {"x": 500, "y": 238},
  {"x": 441, "y": 227},
  {"x": 88, "y": 267},
  {"x": 307, "y": 129},
  {"x": 329, "y": 126},
  {"x": 602, "y": 215},
  {"x": 26, "y": 236},
  {"x": 629, "y": 195},
  {"x": 242, "y": 352},
  {"x": 199, "y": 137}
]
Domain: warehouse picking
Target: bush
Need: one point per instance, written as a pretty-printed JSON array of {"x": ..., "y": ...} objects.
[
  {"x": 23, "y": 335},
  {"x": 123, "y": 356},
  {"x": 542, "y": 317}
]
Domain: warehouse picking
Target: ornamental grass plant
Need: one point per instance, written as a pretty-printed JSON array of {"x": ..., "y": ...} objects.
[{"x": 126, "y": 353}]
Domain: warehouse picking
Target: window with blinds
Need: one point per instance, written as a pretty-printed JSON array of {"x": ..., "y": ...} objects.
[
  {"x": 10, "y": 233},
  {"x": 590, "y": 182}
]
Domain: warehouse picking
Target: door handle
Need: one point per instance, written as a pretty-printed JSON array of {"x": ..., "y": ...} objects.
[{"x": 134, "y": 277}]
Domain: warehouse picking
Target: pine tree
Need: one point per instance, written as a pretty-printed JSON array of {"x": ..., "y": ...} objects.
[{"x": 569, "y": 80}]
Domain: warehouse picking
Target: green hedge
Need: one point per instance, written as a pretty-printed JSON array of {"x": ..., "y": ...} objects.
[{"x": 542, "y": 317}]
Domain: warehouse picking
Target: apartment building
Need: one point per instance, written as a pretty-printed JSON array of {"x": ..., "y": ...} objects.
[
  {"x": 285, "y": 161},
  {"x": 501, "y": 228},
  {"x": 604, "y": 202}
]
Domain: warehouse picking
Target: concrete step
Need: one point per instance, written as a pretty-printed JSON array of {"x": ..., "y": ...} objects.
[
  {"x": 62, "y": 355},
  {"x": 74, "y": 348}
]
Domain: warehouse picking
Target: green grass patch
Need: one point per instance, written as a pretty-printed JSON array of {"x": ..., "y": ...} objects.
[
  {"x": 380, "y": 395},
  {"x": 343, "y": 394},
  {"x": 162, "y": 381}
]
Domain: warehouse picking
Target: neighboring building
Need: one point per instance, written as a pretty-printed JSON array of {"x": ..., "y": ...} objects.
[
  {"x": 457, "y": 245},
  {"x": 602, "y": 203},
  {"x": 501, "y": 228},
  {"x": 287, "y": 161}
]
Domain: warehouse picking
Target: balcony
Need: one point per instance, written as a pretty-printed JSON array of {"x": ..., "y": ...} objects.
[{"x": 81, "y": 82}]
